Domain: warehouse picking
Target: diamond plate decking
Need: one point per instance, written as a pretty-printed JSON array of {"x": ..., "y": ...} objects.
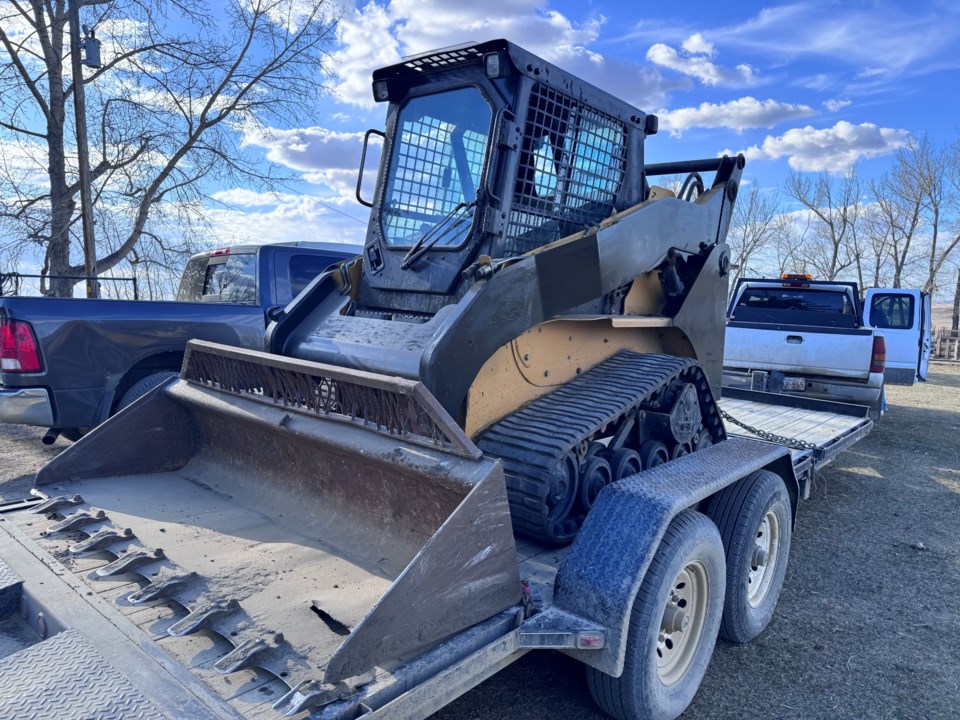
[{"x": 65, "y": 677}]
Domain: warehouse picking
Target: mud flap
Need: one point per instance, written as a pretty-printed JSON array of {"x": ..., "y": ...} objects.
[{"x": 368, "y": 467}]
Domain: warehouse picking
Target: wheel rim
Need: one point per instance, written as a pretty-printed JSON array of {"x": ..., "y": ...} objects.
[
  {"x": 562, "y": 493},
  {"x": 596, "y": 476},
  {"x": 682, "y": 623},
  {"x": 763, "y": 563}
]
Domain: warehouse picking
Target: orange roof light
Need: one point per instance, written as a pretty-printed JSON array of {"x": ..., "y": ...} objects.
[{"x": 796, "y": 276}]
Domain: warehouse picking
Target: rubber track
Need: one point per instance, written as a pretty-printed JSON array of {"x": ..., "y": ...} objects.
[{"x": 533, "y": 440}]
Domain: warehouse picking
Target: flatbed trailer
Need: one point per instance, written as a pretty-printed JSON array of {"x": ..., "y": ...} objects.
[
  {"x": 77, "y": 641},
  {"x": 831, "y": 427}
]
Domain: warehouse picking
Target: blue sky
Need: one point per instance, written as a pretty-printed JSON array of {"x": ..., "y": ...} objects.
[{"x": 807, "y": 86}]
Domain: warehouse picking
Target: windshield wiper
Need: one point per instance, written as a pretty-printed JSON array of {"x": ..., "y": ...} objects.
[{"x": 435, "y": 234}]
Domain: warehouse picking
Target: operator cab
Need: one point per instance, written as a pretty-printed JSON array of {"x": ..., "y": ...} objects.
[{"x": 489, "y": 152}]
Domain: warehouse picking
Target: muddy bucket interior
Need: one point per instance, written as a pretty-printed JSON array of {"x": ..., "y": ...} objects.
[{"x": 356, "y": 546}]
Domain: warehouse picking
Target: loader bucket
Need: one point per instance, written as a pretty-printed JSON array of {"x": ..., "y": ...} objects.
[{"x": 342, "y": 510}]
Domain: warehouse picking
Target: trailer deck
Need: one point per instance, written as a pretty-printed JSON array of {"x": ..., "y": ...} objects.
[
  {"x": 831, "y": 426},
  {"x": 221, "y": 549}
]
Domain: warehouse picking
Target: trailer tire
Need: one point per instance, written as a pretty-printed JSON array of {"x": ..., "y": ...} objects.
[
  {"x": 754, "y": 519},
  {"x": 142, "y": 387},
  {"x": 663, "y": 669}
]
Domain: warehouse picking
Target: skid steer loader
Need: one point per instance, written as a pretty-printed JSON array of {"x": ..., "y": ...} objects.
[{"x": 532, "y": 320}]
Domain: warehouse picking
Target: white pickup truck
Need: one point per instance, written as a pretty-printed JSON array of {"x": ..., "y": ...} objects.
[{"x": 804, "y": 337}]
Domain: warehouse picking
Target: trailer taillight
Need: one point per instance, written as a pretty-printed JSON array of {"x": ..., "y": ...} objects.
[
  {"x": 18, "y": 348},
  {"x": 879, "y": 360}
]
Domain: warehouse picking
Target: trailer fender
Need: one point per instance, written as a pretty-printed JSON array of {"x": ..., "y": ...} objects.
[{"x": 600, "y": 577}]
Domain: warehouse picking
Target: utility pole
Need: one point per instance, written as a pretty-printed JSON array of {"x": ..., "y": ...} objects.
[{"x": 83, "y": 155}]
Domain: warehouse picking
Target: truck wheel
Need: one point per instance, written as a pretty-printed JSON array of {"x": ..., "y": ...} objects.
[
  {"x": 142, "y": 387},
  {"x": 753, "y": 516},
  {"x": 673, "y": 626}
]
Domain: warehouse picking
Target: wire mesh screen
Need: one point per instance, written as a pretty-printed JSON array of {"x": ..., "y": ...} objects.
[
  {"x": 389, "y": 410},
  {"x": 571, "y": 168},
  {"x": 444, "y": 59},
  {"x": 436, "y": 164}
]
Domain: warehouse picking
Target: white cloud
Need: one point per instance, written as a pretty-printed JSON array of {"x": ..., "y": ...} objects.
[
  {"x": 307, "y": 149},
  {"x": 247, "y": 216},
  {"x": 366, "y": 44},
  {"x": 696, "y": 45},
  {"x": 833, "y": 149},
  {"x": 747, "y": 112},
  {"x": 835, "y": 104},
  {"x": 875, "y": 38},
  {"x": 697, "y": 64},
  {"x": 377, "y": 35},
  {"x": 323, "y": 157}
]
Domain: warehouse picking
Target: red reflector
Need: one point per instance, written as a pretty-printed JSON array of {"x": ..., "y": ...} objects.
[
  {"x": 18, "y": 349},
  {"x": 879, "y": 360}
]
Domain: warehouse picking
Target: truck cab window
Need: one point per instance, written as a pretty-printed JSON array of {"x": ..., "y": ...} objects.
[
  {"x": 191, "y": 283},
  {"x": 892, "y": 312},
  {"x": 799, "y": 306},
  {"x": 304, "y": 268},
  {"x": 233, "y": 281}
]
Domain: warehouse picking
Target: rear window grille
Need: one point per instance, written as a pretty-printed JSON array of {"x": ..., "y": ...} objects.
[
  {"x": 571, "y": 169},
  {"x": 443, "y": 59}
]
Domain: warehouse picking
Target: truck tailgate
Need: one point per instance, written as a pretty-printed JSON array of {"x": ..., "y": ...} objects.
[{"x": 799, "y": 350}]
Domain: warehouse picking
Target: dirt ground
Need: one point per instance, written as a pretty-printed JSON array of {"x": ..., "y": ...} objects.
[{"x": 869, "y": 621}]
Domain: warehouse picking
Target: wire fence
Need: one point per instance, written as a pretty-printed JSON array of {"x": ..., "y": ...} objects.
[{"x": 23, "y": 284}]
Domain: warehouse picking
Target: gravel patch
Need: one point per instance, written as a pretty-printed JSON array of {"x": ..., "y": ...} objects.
[{"x": 869, "y": 620}]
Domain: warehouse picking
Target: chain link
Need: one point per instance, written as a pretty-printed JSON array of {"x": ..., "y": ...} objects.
[{"x": 790, "y": 442}]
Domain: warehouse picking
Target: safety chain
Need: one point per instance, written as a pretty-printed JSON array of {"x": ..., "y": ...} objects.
[{"x": 790, "y": 442}]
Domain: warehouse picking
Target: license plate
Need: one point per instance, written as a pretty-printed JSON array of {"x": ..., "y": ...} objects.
[{"x": 794, "y": 384}]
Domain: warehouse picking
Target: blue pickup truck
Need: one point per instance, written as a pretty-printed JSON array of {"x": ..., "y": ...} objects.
[{"x": 68, "y": 364}]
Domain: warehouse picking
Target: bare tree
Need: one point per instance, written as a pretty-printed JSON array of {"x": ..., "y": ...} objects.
[
  {"x": 931, "y": 169},
  {"x": 757, "y": 225},
  {"x": 831, "y": 208},
  {"x": 899, "y": 214},
  {"x": 179, "y": 82}
]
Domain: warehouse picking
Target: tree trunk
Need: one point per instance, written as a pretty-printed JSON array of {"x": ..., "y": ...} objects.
[
  {"x": 956, "y": 305},
  {"x": 61, "y": 200}
]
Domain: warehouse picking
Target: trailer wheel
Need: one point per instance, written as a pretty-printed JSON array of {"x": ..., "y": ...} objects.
[
  {"x": 142, "y": 387},
  {"x": 754, "y": 519},
  {"x": 673, "y": 626}
]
